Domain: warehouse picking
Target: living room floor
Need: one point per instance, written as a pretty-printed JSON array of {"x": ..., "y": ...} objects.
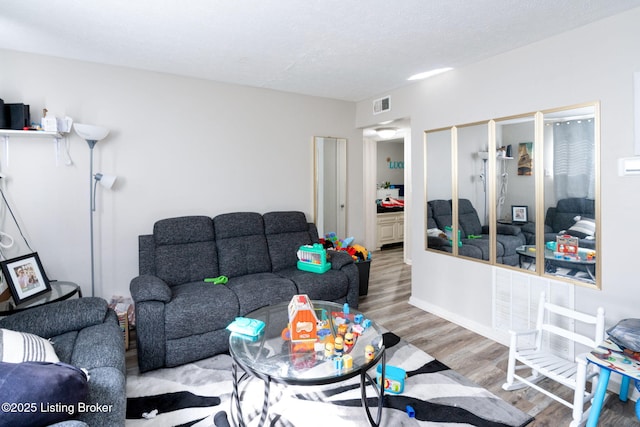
[{"x": 478, "y": 358}]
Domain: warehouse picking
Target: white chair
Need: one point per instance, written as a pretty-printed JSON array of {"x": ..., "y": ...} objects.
[{"x": 535, "y": 354}]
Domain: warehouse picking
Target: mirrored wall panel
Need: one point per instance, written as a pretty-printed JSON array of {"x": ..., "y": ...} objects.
[
  {"x": 330, "y": 186},
  {"x": 522, "y": 192}
]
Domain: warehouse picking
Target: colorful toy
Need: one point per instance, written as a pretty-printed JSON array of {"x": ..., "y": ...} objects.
[
  {"x": 302, "y": 319},
  {"x": 411, "y": 412},
  {"x": 220, "y": 280},
  {"x": 342, "y": 329},
  {"x": 328, "y": 350},
  {"x": 347, "y": 361},
  {"x": 349, "y": 339},
  {"x": 338, "y": 363},
  {"x": 393, "y": 378},
  {"x": 369, "y": 353},
  {"x": 313, "y": 258},
  {"x": 358, "y": 318},
  {"x": 338, "y": 346}
]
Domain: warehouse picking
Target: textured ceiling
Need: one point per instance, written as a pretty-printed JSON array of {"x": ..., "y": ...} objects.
[{"x": 348, "y": 50}]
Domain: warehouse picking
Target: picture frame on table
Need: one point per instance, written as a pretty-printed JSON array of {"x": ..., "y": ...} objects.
[
  {"x": 25, "y": 277},
  {"x": 519, "y": 214}
]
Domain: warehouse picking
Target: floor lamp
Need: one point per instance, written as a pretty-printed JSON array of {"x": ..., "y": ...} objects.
[{"x": 93, "y": 134}]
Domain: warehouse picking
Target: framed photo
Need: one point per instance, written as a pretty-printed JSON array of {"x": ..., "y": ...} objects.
[
  {"x": 519, "y": 214},
  {"x": 25, "y": 277}
]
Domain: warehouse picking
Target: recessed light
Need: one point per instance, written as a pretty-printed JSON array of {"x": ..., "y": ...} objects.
[{"x": 428, "y": 74}]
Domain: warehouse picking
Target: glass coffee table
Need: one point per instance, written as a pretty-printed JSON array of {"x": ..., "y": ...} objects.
[
  {"x": 528, "y": 255},
  {"x": 271, "y": 357}
]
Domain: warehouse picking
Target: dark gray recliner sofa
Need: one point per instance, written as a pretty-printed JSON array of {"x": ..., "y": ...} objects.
[
  {"x": 509, "y": 237},
  {"x": 560, "y": 218},
  {"x": 180, "y": 318},
  {"x": 85, "y": 333}
]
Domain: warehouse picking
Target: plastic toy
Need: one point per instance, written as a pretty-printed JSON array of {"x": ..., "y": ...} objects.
[
  {"x": 369, "y": 353},
  {"x": 220, "y": 280},
  {"x": 328, "y": 350},
  {"x": 338, "y": 363},
  {"x": 345, "y": 308},
  {"x": 313, "y": 258},
  {"x": 349, "y": 339},
  {"x": 246, "y": 326},
  {"x": 411, "y": 412},
  {"x": 338, "y": 346},
  {"x": 347, "y": 361},
  {"x": 358, "y": 318},
  {"x": 302, "y": 319},
  {"x": 393, "y": 379}
]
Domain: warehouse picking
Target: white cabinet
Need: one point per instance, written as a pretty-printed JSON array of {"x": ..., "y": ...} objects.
[{"x": 390, "y": 228}]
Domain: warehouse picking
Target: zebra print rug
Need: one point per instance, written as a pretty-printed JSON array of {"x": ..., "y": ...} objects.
[{"x": 199, "y": 394}]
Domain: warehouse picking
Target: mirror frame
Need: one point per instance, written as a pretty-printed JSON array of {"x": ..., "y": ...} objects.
[{"x": 540, "y": 208}]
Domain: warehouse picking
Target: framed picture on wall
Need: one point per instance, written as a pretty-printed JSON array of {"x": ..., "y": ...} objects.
[
  {"x": 25, "y": 277},
  {"x": 519, "y": 214}
]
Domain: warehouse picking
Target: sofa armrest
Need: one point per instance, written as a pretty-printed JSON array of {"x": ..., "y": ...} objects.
[
  {"x": 149, "y": 288},
  {"x": 437, "y": 242},
  {"x": 59, "y": 317},
  {"x": 339, "y": 259}
]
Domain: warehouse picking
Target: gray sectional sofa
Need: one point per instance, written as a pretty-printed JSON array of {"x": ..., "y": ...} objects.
[
  {"x": 560, "y": 218},
  {"x": 509, "y": 237},
  {"x": 85, "y": 333},
  {"x": 180, "y": 318}
]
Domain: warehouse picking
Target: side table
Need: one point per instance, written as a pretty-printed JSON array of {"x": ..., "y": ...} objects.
[
  {"x": 59, "y": 291},
  {"x": 609, "y": 357}
]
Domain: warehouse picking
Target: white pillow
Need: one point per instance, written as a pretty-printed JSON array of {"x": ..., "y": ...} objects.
[
  {"x": 17, "y": 347},
  {"x": 584, "y": 228}
]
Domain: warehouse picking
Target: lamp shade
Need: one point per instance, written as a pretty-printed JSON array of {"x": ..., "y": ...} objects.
[
  {"x": 106, "y": 181},
  {"x": 91, "y": 132}
]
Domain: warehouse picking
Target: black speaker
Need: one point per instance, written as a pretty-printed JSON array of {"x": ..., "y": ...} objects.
[{"x": 17, "y": 116}]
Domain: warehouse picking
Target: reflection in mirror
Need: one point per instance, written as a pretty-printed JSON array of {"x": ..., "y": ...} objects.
[
  {"x": 515, "y": 191},
  {"x": 473, "y": 191},
  {"x": 571, "y": 191},
  {"x": 528, "y": 183},
  {"x": 438, "y": 189},
  {"x": 330, "y": 185}
]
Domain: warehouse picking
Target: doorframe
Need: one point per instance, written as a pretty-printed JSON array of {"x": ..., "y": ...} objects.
[{"x": 370, "y": 151}]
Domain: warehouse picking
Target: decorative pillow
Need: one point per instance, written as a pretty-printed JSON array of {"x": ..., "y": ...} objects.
[
  {"x": 17, "y": 347},
  {"x": 41, "y": 393},
  {"x": 584, "y": 228}
]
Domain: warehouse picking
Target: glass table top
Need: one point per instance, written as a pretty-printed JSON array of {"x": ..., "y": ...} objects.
[{"x": 270, "y": 354}]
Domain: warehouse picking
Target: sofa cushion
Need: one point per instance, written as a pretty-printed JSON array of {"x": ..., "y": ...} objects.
[
  {"x": 199, "y": 307},
  {"x": 17, "y": 347},
  {"x": 441, "y": 213},
  {"x": 186, "y": 229},
  {"x": 38, "y": 385},
  {"x": 241, "y": 244},
  {"x": 330, "y": 286},
  {"x": 286, "y": 232},
  {"x": 468, "y": 219},
  {"x": 259, "y": 290}
]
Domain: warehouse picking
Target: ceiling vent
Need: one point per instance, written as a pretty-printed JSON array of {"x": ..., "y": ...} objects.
[{"x": 382, "y": 105}]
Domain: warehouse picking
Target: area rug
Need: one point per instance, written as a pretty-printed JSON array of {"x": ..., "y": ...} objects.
[{"x": 194, "y": 394}]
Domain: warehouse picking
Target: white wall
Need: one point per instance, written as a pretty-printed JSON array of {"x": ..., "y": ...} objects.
[
  {"x": 592, "y": 63},
  {"x": 180, "y": 146}
]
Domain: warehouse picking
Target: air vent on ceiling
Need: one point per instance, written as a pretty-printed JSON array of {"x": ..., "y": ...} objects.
[{"x": 382, "y": 105}]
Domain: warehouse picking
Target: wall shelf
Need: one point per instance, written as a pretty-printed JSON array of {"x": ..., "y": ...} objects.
[{"x": 6, "y": 134}]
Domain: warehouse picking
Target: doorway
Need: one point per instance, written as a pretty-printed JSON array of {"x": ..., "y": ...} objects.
[{"x": 376, "y": 158}]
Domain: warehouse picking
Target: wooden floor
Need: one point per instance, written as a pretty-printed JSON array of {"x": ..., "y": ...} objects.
[{"x": 480, "y": 359}]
